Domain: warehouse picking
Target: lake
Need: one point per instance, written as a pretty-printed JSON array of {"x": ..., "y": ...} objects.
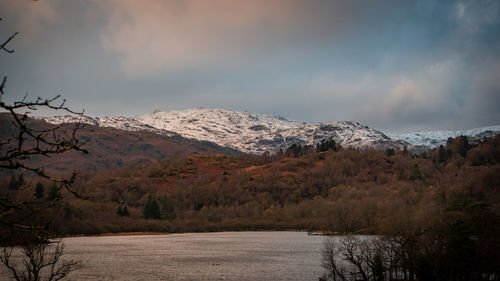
[{"x": 198, "y": 256}]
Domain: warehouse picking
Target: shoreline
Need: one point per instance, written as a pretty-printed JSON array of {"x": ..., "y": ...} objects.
[{"x": 141, "y": 233}]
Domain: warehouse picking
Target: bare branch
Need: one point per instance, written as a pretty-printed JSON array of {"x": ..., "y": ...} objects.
[
  {"x": 28, "y": 142},
  {"x": 38, "y": 261},
  {"x": 4, "y": 44},
  {"x": 5, "y": 258},
  {"x": 2, "y": 86}
]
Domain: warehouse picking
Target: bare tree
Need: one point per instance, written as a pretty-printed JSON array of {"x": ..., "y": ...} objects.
[
  {"x": 356, "y": 258},
  {"x": 18, "y": 208},
  {"x": 39, "y": 261},
  {"x": 17, "y": 150},
  {"x": 330, "y": 261}
]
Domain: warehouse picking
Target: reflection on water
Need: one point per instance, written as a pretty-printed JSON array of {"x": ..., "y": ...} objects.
[{"x": 198, "y": 256}]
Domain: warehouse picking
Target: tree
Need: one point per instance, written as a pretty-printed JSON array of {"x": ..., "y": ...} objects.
[
  {"x": 13, "y": 184},
  {"x": 462, "y": 244},
  {"x": 444, "y": 154},
  {"x": 297, "y": 150},
  {"x": 167, "y": 208},
  {"x": 19, "y": 213},
  {"x": 122, "y": 211},
  {"x": 54, "y": 193},
  {"x": 463, "y": 146},
  {"x": 390, "y": 152},
  {"x": 39, "y": 262},
  {"x": 152, "y": 209},
  {"x": 39, "y": 190},
  {"x": 68, "y": 211},
  {"x": 17, "y": 150},
  {"x": 415, "y": 173},
  {"x": 372, "y": 258},
  {"x": 330, "y": 261},
  {"x": 326, "y": 145}
]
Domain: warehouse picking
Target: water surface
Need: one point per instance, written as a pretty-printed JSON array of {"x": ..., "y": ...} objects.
[{"x": 198, "y": 256}]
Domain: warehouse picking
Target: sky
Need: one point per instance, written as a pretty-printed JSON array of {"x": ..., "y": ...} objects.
[{"x": 396, "y": 66}]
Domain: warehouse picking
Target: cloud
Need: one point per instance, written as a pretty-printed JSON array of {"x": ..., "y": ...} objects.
[
  {"x": 483, "y": 93},
  {"x": 405, "y": 96},
  {"x": 157, "y": 35},
  {"x": 29, "y": 17},
  {"x": 424, "y": 96},
  {"x": 392, "y": 64},
  {"x": 473, "y": 15}
]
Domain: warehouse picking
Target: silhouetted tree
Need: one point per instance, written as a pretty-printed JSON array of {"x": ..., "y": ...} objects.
[
  {"x": 152, "y": 209},
  {"x": 39, "y": 190},
  {"x": 13, "y": 184},
  {"x": 463, "y": 244},
  {"x": 463, "y": 146},
  {"x": 444, "y": 154},
  {"x": 39, "y": 262},
  {"x": 17, "y": 212},
  {"x": 389, "y": 152},
  {"x": 122, "y": 211},
  {"x": 54, "y": 193},
  {"x": 68, "y": 211},
  {"x": 326, "y": 145},
  {"x": 167, "y": 208}
]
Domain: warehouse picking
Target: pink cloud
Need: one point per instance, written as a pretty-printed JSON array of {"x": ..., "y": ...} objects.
[{"x": 159, "y": 35}]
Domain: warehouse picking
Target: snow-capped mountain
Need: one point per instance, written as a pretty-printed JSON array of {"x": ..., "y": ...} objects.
[
  {"x": 256, "y": 133},
  {"x": 434, "y": 139},
  {"x": 243, "y": 131}
]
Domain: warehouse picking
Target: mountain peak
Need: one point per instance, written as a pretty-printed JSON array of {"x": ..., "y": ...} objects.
[{"x": 256, "y": 133}]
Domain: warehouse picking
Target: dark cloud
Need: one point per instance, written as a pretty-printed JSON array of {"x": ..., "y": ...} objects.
[{"x": 396, "y": 65}]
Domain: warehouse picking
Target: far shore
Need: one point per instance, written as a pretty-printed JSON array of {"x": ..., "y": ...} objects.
[
  {"x": 118, "y": 234},
  {"x": 170, "y": 233}
]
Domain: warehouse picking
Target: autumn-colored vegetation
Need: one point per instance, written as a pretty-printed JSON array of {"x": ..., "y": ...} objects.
[
  {"x": 453, "y": 233},
  {"x": 340, "y": 191},
  {"x": 108, "y": 148}
]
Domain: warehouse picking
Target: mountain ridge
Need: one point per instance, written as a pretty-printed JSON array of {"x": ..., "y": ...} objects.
[
  {"x": 436, "y": 138},
  {"x": 110, "y": 147},
  {"x": 242, "y": 130},
  {"x": 257, "y": 133}
]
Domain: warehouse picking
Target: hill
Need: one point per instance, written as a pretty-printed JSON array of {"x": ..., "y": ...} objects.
[
  {"x": 111, "y": 148},
  {"x": 347, "y": 190}
]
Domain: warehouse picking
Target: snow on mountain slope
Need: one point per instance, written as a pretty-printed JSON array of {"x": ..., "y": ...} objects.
[
  {"x": 122, "y": 123},
  {"x": 256, "y": 133},
  {"x": 434, "y": 139},
  {"x": 243, "y": 131}
]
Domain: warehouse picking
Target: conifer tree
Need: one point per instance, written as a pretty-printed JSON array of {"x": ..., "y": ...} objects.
[
  {"x": 463, "y": 146},
  {"x": 125, "y": 211},
  {"x": 13, "y": 183},
  {"x": 152, "y": 209},
  {"x": 326, "y": 145},
  {"x": 167, "y": 208},
  {"x": 54, "y": 193},
  {"x": 39, "y": 189},
  {"x": 68, "y": 211},
  {"x": 122, "y": 211}
]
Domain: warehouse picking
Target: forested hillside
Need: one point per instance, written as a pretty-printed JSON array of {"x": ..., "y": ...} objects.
[{"x": 327, "y": 188}]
